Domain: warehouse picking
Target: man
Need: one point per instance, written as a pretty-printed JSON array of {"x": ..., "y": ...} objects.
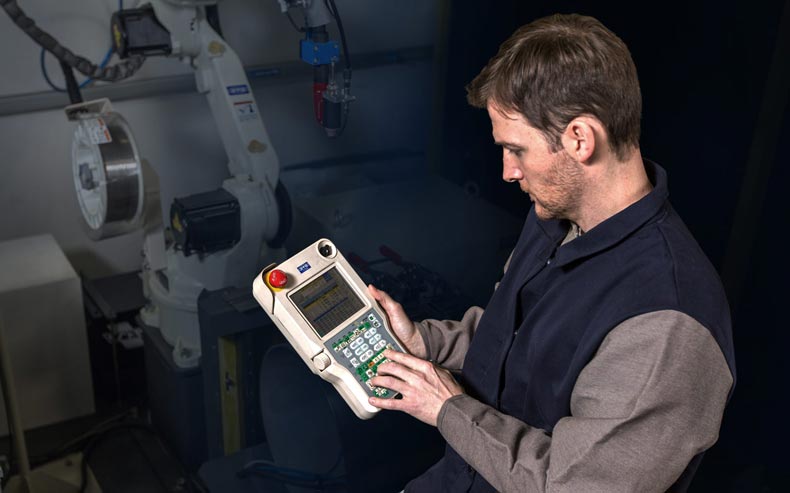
[{"x": 604, "y": 358}]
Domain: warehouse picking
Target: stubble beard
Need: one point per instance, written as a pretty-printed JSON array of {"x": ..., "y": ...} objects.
[{"x": 563, "y": 187}]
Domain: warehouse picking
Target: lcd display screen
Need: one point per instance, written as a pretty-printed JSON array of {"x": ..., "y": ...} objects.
[{"x": 327, "y": 301}]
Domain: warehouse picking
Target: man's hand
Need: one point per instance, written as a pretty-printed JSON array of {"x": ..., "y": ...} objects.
[
  {"x": 401, "y": 323},
  {"x": 424, "y": 386}
]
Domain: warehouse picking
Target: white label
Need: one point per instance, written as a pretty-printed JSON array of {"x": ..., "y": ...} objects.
[
  {"x": 97, "y": 131},
  {"x": 245, "y": 110}
]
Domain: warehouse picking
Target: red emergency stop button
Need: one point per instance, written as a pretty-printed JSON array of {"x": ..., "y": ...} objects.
[{"x": 278, "y": 278}]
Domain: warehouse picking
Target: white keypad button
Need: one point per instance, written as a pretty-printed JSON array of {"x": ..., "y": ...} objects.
[
  {"x": 357, "y": 342},
  {"x": 359, "y": 351},
  {"x": 347, "y": 352},
  {"x": 354, "y": 362},
  {"x": 379, "y": 345},
  {"x": 376, "y": 338}
]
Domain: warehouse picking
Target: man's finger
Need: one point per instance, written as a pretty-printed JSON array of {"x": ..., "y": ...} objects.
[
  {"x": 391, "y": 383},
  {"x": 393, "y": 404},
  {"x": 384, "y": 298},
  {"x": 378, "y": 295},
  {"x": 397, "y": 370},
  {"x": 407, "y": 360},
  {"x": 374, "y": 291}
]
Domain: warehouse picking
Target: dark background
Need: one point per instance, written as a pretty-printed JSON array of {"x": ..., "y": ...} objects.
[{"x": 715, "y": 83}]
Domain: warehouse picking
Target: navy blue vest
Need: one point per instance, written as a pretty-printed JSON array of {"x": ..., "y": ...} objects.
[{"x": 555, "y": 305}]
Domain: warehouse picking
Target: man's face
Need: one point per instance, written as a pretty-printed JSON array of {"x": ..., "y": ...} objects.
[{"x": 553, "y": 180}]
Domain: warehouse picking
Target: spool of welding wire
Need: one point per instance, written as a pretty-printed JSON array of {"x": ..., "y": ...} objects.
[{"x": 108, "y": 176}]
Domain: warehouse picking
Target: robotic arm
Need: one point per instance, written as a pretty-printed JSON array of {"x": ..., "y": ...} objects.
[
  {"x": 219, "y": 74},
  {"x": 218, "y": 234},
  {"x": 179, "y": 28}
]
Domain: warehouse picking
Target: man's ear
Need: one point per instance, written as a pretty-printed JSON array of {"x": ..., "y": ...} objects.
[{"x": 582, "y": 138}]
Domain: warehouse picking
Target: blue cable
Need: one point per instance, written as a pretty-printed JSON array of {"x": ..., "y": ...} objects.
[
  {"x": 46, "y": 75},
  {"x": 87, "y": 81}
]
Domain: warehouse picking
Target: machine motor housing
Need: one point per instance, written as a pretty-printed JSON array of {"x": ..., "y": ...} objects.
[
  {"x": 139, "y": 32},
  {"x": 206, "y": 222}
]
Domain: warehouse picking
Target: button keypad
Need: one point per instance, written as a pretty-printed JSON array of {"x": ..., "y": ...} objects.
[{"x": 359, "y": 348}]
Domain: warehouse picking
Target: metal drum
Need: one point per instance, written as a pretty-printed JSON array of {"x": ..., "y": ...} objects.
[{"x": 108, "y": 176}]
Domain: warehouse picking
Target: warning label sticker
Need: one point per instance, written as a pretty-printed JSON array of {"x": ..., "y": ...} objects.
[
  {"x": 97, "y": 131},
  {"x": 245, "y": 110}
]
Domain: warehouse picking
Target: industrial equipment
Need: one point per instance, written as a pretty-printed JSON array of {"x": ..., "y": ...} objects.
[
  {"x": 109, "y": 174},
  {"x": 214, "y": 238},
  {"x": 324, "y": 310},
  {"x": 330, "y": 101},
  {"x": 217, "y": 234},
  {"x": 63, "y": 475}
]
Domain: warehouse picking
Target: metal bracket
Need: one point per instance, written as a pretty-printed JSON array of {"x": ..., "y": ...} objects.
[{"x": 79, "y": 111}]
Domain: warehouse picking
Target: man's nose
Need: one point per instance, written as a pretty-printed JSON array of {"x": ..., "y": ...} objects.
[{"x": 510, "y": 171}]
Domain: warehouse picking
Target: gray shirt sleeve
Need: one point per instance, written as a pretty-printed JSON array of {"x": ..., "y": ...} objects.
[
  {"x": 447, "y": 341},
  {"x": 649, "y": 401}
]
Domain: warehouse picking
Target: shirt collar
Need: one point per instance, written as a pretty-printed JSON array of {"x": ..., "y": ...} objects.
[{"x": 613, "y": 229}]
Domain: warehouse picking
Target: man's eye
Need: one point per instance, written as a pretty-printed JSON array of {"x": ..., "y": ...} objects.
[{"x": 515, "y": 152}]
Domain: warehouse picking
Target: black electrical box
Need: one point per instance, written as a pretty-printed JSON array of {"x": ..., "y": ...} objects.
[
  {"x": 206, "y": 222},
  {"x": 139, "y": 32}
]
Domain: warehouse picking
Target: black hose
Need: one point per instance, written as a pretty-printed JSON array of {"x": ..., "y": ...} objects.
[
  {"x": 285, "y": 207},
  {"x": 336, "y": 15},
  {"x": 113, "y": 73},
  {"x": 293, "y": 22},
  {"x": 330, "y": 4},
  {"x": 71, "y": 83},
  {"x": 212, "y": 17}
]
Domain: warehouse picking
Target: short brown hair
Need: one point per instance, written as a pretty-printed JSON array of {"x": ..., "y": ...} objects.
[{"x": 559, "y": 67}]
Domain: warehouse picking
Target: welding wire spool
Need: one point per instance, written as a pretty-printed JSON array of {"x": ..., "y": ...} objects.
[{"x": 108, "y": 176}]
